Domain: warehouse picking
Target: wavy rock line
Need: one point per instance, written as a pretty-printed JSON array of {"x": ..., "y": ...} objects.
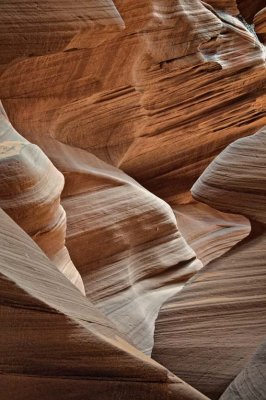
[
  {"x": 218, "y": 320},
  {"x": 56, "y": 344},
  {"x": 123, "y": 240},
  {"x": 30, "y": 188}
]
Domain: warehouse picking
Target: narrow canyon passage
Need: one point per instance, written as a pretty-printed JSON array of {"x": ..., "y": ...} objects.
[{"x": 132, "y": 199}]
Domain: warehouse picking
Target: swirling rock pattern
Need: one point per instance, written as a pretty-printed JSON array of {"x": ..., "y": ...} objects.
[
  {"x": 123, "y": 240},
  {"x": 190, "y": 81},
  {"x": 248, "y": 8},
  {"x": 260, "y": 24},
  {"x": 122, "y": 105},
  {"x": 207, "y": 333},
  {"x": 56, "y": 344},
  {"x": 36, "y": 27},
  {"x": 209, "y": 232},
  {"x": 235, "y": 181},
  {"x": 219, "y": 318},
  {"x": 30, "y": 188}
]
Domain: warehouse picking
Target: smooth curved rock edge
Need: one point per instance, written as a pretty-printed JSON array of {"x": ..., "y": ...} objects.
[
  {"x": 30, "y": 189},
  {"x": 191, "y": 80},
  {"x": 251, "y": 381},
  {"x": 157, "y": 88},
  {"x": 218, "y": 320},
  {"x": 55, "y": 343},
  {"x": 123, "y": 240}
]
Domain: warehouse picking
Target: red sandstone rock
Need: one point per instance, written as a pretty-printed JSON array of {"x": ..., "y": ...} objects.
[
  {"x": 260, "y": 24},
  {"x": 120, "y": 107},
  {"x": 177, "y": 85}
]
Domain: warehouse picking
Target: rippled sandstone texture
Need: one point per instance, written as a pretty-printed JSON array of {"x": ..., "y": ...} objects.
[
  {"x": 250, "y": 382},
  {"x": 30, "y": 188},
  {"x": 120, "y": 106},
  {"x": 56, "y": 344},
  {"x": 124, "y": 241},
  {"x": 218, "y": 320},
  {"x": 179, "y": 83}
]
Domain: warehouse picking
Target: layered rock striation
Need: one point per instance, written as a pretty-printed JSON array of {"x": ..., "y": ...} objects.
[
  {"x": 55, "y": 343},
  {"x": 113, "y": 111},
  {"x": 191, "y": 80},
  {"x": 123, "y": 240},
  {"x": 219, "y": 318},
  {"x": 30, "y": 189}
]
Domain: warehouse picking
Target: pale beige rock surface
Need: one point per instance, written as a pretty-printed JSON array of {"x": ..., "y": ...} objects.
[
  {"x": 123, "y": 240},
  {"x": 210, "y": 232},
  {"x": 56, "y": 344},
  {"x": 30, "y": 189},
  {"x": 218, "y": 320},
  {"x": 235, "y": 180}
]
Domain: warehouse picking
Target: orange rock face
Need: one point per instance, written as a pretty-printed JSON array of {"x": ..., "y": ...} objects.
[
  {"x": 132, "y": 152},
  {"x": 191, "y": 80}
]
